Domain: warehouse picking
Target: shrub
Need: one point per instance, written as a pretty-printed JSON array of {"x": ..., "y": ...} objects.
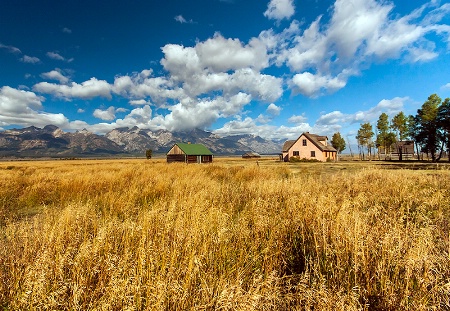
[{"x": 297, "y": 159}]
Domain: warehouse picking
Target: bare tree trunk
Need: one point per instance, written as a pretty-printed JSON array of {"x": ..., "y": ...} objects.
[
  {"x": 448, "y": 147},
  {"x": 442, "y": 151},
  {"x": 418, "y": 153},
  {"x": 349, "y": 147}
]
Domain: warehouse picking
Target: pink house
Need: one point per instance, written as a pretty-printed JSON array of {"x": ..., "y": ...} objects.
[{"x": 309, "y": 146}]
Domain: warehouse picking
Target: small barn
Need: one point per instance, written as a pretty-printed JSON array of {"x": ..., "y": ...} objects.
[
  {"x": 189, "y": 153},
  {"x": 403, "y": 149},
  {"x": 251, "y": 155}
]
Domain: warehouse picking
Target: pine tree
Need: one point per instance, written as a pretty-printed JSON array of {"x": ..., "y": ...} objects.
[
  {"x": 364, "y": 138},
  {"x": 338, "y": 142},
  {"x": 385, "y": 138},
  {"x": 427, "y": 130},
  {"x": 399, "y": 124}
]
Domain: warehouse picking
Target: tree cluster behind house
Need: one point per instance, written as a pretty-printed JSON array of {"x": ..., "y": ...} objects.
[{"x": 429, "y": 130}]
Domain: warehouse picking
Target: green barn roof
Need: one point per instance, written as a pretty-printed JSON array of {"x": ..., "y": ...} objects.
[{"x": 194, "y": 149}]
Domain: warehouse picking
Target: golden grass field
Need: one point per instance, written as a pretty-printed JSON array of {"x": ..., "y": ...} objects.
[{"x": 136, "y": 234}]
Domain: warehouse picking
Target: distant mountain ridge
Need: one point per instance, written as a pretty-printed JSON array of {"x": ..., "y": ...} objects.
[{"x": 51, "y": 141}]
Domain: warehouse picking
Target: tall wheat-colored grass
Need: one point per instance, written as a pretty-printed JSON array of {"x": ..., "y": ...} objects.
[{"x": 145, "y": 235}]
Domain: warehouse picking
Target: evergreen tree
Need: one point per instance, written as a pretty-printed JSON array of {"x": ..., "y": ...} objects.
[
  {"x": 364, "y": 138},
  {"x": 399, "y": 124},
  {"x": 338, "y": 142},
  {"x": 426, "y": 127},
  {"x": 385, "y": 138}
]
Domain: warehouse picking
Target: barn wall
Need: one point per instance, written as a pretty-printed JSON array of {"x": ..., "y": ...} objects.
[
  {"x": 176, "y": 158},
  {"x": 207, "y": 159},
  {"x": 191, "y": 159}
]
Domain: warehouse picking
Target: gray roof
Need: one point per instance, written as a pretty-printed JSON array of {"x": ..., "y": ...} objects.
[
  {"x": 315, "y": 139},
  {"x": 288, "y": 144}
]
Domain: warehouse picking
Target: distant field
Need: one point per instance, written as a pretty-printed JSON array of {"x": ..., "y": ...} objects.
[{"x": 137, "y": 234}]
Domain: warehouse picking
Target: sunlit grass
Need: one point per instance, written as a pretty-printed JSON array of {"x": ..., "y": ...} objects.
[{"x": 234, "y": 235}]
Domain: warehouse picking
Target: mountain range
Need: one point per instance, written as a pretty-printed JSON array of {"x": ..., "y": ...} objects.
[{"x": 51, "y": 141}]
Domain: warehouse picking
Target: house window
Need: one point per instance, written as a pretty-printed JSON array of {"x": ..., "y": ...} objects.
[
  {"x": 296, "y": 153},
  {"x": 313, "y": 154},
  {"x": 304, "y": 142}
]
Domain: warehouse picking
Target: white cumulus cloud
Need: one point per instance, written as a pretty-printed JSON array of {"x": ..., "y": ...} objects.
[
  {"x": 107, "y": 115},
  {"x": 200, "y": 113},
  {"x": 138, "y": 102},
  {"x": 297, "y": 119},
  {"x": 18, "y": 107},
  {"x": 446, "y": 86},
  {"x": 273, "y": 109},
  {"x": 220, "y": 54},
  {"x": 55, "y": 75},
  {"x": 86, "y": 90},
  {"x": 310, "y": 85},
  {"x": 280, "y": 9}
]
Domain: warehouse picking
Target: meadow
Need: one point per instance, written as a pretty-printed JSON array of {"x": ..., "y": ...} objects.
[{"x": 136, "y": 234}]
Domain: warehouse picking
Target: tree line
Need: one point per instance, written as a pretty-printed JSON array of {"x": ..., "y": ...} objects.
[{"x": 429, "y": 130}]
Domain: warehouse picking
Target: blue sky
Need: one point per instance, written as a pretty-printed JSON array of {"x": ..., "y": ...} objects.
[{"x": 273, "y": 68}]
